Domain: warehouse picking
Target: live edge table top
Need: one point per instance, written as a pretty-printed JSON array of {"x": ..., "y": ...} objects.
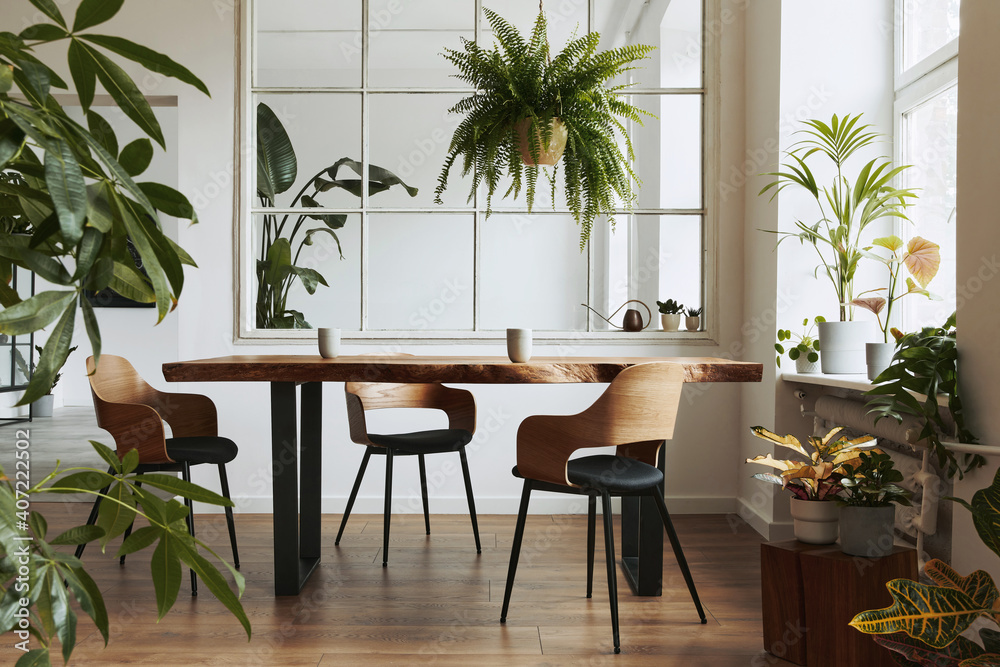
[{"x": 460, "y": 370}]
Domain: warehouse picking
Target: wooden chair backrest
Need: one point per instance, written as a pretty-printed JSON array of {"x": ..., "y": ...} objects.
[
  {"x": 133, "y": 411},
  {"x": 636, "y": 413},
  {"x": 458, "y": 404}
]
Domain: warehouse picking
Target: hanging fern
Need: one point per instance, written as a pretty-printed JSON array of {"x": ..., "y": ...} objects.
[{"x": 519, "y": 79}]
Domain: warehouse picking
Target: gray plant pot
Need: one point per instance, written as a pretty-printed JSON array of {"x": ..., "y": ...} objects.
[
  {"x": 43, "y": 406},
  {"x": 867, "y": 531}
]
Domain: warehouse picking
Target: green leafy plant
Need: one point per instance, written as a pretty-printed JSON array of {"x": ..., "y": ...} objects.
[
  {"x": 277, "y": 269},
  {"x": 925, "y": 622},
  {"x": 924, "y": 367},
  {"x": 71, "y": 194},
  {"x": 694, "y": 312},
  {"x": 670, "y": 307},
  {"x": 807, "y": 343},
  {"x": 817, "y": 478},
  {"x": 49, "y": 585},
  {"x": 836, "y": 234},
  {"x": 518, "y": 80},
  {"x": 873, "y": 482},
  {"x": 55, "y": 380},
  {"x": 921, "y": 258}
]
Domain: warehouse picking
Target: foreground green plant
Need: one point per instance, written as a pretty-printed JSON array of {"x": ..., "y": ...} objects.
[
  {"x": 926, "y": 364},
  {"x": 924, "y": 623},
  {"x": 69, "y": 198},
  {"x": 277, "y": 169},
  {"x": 40, "y": 585},
  {"x": 836, "y": 236},
  {"x": 518, "y": 80}
]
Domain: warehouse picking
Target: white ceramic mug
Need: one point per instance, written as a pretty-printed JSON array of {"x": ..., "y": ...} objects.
[
  {"x": 329, "y": 343},
  {"x": 519, "y": 345}
]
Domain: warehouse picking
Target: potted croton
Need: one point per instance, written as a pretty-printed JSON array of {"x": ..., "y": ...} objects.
[
  {"x": 529, "y": 103},
  {"x": 670, "y": 314},
  {"x": 867, "y": 514},
  {"x": 813, "y": 483}
]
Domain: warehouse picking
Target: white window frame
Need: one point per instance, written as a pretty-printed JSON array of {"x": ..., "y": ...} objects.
[{"x": 244, "y": 167}]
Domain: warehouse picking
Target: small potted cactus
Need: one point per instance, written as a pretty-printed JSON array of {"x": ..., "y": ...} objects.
[{"x": 693, "y": 319}]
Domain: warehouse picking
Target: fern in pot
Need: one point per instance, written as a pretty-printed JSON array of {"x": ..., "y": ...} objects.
[{"x": 528, "y": 104}]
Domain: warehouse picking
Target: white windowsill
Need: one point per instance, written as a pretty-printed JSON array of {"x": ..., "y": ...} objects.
[{"x": 859, "y": 382}]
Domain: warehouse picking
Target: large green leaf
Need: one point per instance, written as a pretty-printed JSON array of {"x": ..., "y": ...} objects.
[
  {"x": 6, "y": 77},
  {"x": 979, "y": 585},
  {"x": 165, "y": 567},
  {"x": 115, "y": 517},
  {"x": 276, "y": 163},
  {"x": 78, "y": 535},
  {"x": 169, "y": 201},
  {"x": 83, "y": 68},
  {"x": 279, "y": 261},
  {"x": 139, "y": 540},
  {"x": 102, "y": 131},
  {"x": 89, "y": 596},
  {"x": 95, "y": 12},
  {"x": 43, "y": 32},
  {"x": 151, "y": 60},
  {"x": 93, "y": 329},
  {"x": 182, "y": 488},
  {"x": 216, "y": 583},
  {"x": 53, "y": 357},
  {"x": 136, "y": 156},
  {"x": 68, "y": 190},
  {"x": 35, "y": 313},
  {"x": 932, "y": 614},
  {"x": 311, "y": 279},
  {"x": 11, "y": 139},
  {"x": 49, "y": 8},
  {"x": 131, "y": 284},
  {"x": 985, "y": 508}
]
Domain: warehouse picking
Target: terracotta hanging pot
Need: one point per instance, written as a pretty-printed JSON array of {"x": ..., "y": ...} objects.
[{"x": 547, "y": 155}]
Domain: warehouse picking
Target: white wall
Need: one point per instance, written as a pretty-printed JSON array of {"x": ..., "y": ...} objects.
[{"x": 201, "y": 35}]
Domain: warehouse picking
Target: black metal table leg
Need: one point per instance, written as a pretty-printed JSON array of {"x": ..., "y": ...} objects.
[
  {"x": 311, "y": 469},
  {"x": 291, "y": 567},
  {"x": 642, "y": 542}
]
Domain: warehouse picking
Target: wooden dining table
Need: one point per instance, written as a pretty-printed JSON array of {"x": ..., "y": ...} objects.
[{"x": 297, "y": 448}]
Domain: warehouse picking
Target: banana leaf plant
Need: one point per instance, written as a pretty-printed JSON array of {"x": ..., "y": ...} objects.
[
  {"x": 817, "y": 478},
  {"x": 836, "y": 233},
  {"x": 277, "y": 267},
  {"x": 69, "y": 196},
  {"x": 925, "y": 622},
  {"x": 42, "y": 587}
]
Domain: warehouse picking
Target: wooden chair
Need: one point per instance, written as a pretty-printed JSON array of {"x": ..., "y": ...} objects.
[
  {"x": 636, "y": 414},
  {"x": 458, "y": 404},
  {"x": 133, "y": 413}
]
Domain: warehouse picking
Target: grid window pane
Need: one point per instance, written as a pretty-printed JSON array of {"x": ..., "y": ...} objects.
[
  {"x": 408, "y": 38},
  {"x": 668, "y": 155},
  {"x": 927, "y": 26}
]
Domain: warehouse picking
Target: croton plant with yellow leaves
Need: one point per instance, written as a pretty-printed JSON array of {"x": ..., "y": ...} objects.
[
  {"x": 922, "y": 258},
  {"x": 817, "y": 478}
]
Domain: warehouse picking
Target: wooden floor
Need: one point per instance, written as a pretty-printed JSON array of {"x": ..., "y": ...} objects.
[{"x": 437, "y": 602}]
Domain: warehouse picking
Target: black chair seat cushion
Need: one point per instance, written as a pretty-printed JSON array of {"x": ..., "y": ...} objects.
[
  {"x": 202, "y": 449},
  {"x": 424, "y": 442},
  {"x": 617, "y": 474}
]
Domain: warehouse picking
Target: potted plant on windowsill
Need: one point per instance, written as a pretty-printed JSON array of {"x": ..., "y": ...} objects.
[
  {"x": 670, "y": 314},
  {"x": 805, "y": 353},
  {"x": 845, "y": 210},
  {"x": 813, "y": 483},
  {"x": 922, "y": 259},
  {"x": 867, "y": 513},
  {"x": 693, "y": 319},
  {"x": 524, "y": 94}
]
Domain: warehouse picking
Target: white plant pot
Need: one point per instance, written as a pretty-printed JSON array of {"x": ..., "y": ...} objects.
[
  {"x": 43, "y": 406},
  {"x": 867, "y": 531},
  {"x": 803, "y": 365},
  {"x": 878, "y": 356},
  {"x": 843, "y": 346},
  {"x": 670, "y": 322},
  {"x": 815, "y": 521},
  {"x": 692, "y": 323}
]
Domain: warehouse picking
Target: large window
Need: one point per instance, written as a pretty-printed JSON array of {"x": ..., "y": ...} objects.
[
  {"x": 926, "y": 110},
  {"x": 365, "y": 80}
]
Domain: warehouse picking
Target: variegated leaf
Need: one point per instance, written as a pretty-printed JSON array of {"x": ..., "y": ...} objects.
[
  {"x": 920, "y": 653},
  {"x": 891, "y": 243},
  {"x": 768, "y": 460},
  {"x": 932, "y": 614},
  {"x": 979, "y": 585},
  {"x": 987, "y": 660},
  {"x": 923, "y": 259},
  {"x": 845, "y": 445},
  {"x": 789, "y": 441}
]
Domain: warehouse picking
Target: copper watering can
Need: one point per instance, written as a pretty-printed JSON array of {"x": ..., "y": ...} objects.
[{"x": 632, "y": 321}]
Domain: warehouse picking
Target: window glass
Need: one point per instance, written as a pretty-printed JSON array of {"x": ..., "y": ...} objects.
[{"x": 927, "y": 26}]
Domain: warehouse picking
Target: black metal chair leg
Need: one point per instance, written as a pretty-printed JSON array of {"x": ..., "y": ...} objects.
[
  {"x": 230, "y": 523},
  {"x": 423, "y": 492},
  {"x": 128, "y": 531},
  {"x": 92, "y": 519},
  {"x": 186, "y": 473},
  {"x": 354, "y": 494},
  {"x": 591, "y": 530},
  {"x": 609, "y": 550},
  {"x": 678, "y": 552},
  {"x": 515, "y": 550},
  {"x": 470, "y": 498},
  {"x": 387, "y": 511}
]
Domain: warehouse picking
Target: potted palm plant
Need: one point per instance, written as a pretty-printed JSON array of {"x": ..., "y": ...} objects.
[
  {"x": 867, "y": 513},
  {"x": 845, "y": 210},
  {"x": 528, "y": 103},
  {"x": 813, "y": 483}
]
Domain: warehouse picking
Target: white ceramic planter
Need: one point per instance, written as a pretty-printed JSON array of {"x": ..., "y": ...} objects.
[
  {"x": 692, "y": 323},
  {"x": 670, "y": 322},
  {"x": 878, "y": 357},
  {"x": 815, "y": 521},
  {"x": 867, "y": 531},
  {"x": 803, "y": 365},
  {"x": 843, "y": 346},
  {"x": 43, "y": 406}
]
